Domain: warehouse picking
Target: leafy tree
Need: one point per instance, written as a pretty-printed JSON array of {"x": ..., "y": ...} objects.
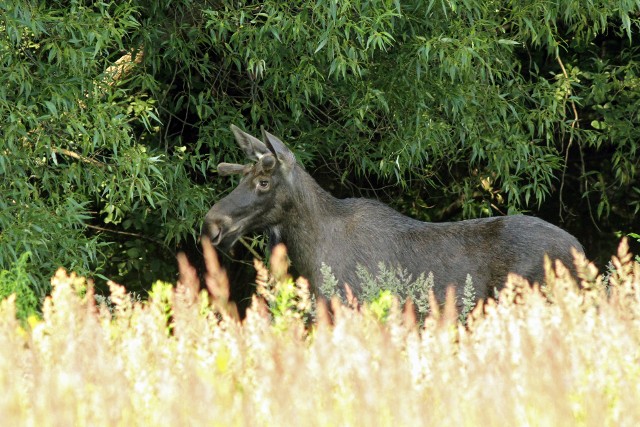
[{"x": 113, "y": 115}]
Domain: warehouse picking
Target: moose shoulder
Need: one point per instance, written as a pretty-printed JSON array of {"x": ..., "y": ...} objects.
[{"x": 277, "y": 195}]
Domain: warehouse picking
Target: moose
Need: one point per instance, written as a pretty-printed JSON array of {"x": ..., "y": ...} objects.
[{"x": 275, "y": 194}]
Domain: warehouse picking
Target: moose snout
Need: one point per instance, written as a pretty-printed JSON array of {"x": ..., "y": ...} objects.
[
  {"x": 215, "y": 227},
  {"x": 212, "y": 228}
]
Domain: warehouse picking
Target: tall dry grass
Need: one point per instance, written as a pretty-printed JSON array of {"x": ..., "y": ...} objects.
[{"x": 558, "y": 356}]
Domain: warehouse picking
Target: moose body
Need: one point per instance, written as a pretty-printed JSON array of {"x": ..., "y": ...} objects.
[{"x": 277, "y": 195}]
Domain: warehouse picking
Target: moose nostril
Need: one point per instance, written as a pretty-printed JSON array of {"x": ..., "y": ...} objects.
[{"x": 212, "y": 230}]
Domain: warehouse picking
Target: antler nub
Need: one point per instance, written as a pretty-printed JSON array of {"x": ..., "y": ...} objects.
[
  {"x": 266, "y": 163},
  {"x": 225, "y": 169}
]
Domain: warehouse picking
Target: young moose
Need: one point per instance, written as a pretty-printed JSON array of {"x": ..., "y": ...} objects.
[{"x": 277, "y": 195}]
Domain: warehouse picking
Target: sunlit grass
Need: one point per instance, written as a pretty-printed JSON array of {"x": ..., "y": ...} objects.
[{"x": 550, "y": 357}]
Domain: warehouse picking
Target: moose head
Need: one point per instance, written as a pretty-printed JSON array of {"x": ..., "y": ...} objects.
[{"x": 260, "y": 199}]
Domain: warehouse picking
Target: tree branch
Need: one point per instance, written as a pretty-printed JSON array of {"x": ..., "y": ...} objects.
[
  {"x": 574, "y": 124},
  {"x": 77, "y": 156},
  {"x": 130, "y": 234},
  {"x": 123, "y": 66},
  {"x": 246, "y": 244}
]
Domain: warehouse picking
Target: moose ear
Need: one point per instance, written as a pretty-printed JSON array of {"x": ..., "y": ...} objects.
[
  {"x": 252, "y": 146},
  {"x": 278, "y": 148}
]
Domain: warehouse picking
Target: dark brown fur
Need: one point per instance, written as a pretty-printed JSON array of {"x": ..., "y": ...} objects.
[{"x": 344, "y": 233}]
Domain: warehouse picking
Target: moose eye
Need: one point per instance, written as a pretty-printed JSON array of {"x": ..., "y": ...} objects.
[{"x": 263, "y": 184}]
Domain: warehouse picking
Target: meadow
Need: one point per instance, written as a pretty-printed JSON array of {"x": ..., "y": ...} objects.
[{"x": 567, "y": 353}]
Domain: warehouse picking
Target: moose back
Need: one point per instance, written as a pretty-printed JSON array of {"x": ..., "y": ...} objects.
[{"x": 277, "y": 195}]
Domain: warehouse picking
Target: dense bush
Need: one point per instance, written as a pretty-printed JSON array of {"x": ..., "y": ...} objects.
[{"x": 113, "y": 115}]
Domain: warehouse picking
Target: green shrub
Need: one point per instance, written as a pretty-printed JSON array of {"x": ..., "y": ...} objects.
[
  {"x": 107, "y": 302},
  {"x": 289, "y": 301},
  {"x": 468, "y": 299},
  {"x": 17, "y": 280},
  {"x": 113, "y": 115},
  {"x": 381, "y": 305},
  {"x": 397, "y": 281}
]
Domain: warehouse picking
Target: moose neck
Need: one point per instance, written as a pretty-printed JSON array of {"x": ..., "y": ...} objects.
[{"x": 308, "y": 214}]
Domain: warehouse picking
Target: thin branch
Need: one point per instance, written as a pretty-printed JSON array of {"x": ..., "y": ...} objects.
[
  {"x": 573, "y": 104},
  {"x": 574, "y": 124},
  {"x": 77, "y": 156},
  {"x": 246, "y": 244},
  {"x": 118, "y": 70},
  {"x": 586, "y": 190},
  {"x": 123, "y": 66},
  {"x": 130, "y": 234}
]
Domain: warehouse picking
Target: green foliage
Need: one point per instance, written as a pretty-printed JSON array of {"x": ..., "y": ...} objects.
[
  {"x": 161, "y": 296},
  {"x": 330, "y": 285},
  {"x": 381, "y": 306},
  {"x": 468, "y": 299},
  {"x": 113, "y": 115},
  {"x": 109, "y": 304},
  {"x": 399, "y": 282},
  {"x": 379, "y": 289},
  {"x": 635, "y": 236},
  {"x": 288, "y": 302},
  {"x": 395, "y": 281},
  {"x": 16, "y": 281},
  {"x": 82, "y": 180}
]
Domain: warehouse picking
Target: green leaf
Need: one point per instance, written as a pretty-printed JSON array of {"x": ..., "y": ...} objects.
[
  {"x": 51, "y": 107},
  {"x": 322, "y": 44}
]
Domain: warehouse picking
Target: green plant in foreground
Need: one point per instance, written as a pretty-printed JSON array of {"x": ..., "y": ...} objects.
[
  {"x": 288, "y": 301},
  {"x": 637, "y": 237},
  {"x": 381, "y": 306},
  {"x": 329, "y": 285},
  {"x": 16, "y": 281},
  {"x": 106, "y": 300},
  {"x": 397, "y": 281},
  {"x": 468, "y": 299}
]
